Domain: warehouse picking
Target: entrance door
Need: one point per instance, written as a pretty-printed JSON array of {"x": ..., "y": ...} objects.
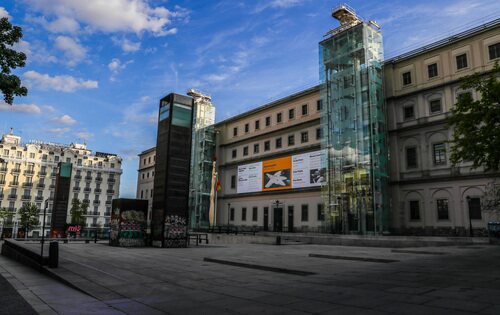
[
  {"x": 290, "y": 219},
  {"x": 278, "y": 220},
  {"x": 266, "y": 218}
]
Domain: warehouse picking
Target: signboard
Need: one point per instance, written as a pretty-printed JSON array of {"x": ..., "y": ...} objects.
[{"x": 297, "y": 171}]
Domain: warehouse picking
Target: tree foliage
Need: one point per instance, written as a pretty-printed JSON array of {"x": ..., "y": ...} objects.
[
  {"x": 5, "y": 214},
  {"x": 77, "y": 211},
  {"x": 477, "y": 123},
  {"x": 28, "y": 215},
  {"x": 10, "y": 84}
]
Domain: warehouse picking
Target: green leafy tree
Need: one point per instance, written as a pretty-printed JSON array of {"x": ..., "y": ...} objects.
[
  {"x": 10, "y": 84},
  {"x": 28, "y": 215},
  {"x": 77, "y": 213},
  {"x": 477, "y": 123}
]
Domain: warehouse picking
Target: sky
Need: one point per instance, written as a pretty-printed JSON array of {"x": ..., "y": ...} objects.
[{"x": 96, "y": 69}]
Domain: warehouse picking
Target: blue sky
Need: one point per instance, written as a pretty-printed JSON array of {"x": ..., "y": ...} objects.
[{"x": 97, "y": 68}]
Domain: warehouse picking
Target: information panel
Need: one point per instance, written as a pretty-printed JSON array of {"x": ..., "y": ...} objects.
[
  {"x": 249, "y": 178},
  {"x": 297, "y": 171}
]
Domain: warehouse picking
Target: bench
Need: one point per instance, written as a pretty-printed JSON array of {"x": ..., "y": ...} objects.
[{"x": 199, "y": 237}]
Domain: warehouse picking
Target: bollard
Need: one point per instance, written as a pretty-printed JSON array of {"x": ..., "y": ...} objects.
[
  {"x": 53, "y": 254},
  {"x": 278, "y": 240}
]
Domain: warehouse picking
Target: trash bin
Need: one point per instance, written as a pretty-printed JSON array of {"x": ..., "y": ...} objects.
[
  {"x": 53, "y": 254},
  {"x": 494, "y": 232}
]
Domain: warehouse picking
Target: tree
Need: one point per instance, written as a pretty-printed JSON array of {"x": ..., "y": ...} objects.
[
  {"x": 10, "y": 84},
  {"x": 4, "y": 215},
  {"x": 77, "y": 212},
  {"x": 477, "y": 123},
  {"x": 28, "y": 215}
]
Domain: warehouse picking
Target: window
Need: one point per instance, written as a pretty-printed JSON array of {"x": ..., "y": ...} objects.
[
  {"x": 321, "y": 213},
  {"x": 318, "y": 133},
  {"x": 268, "y": 121},
  {"x": 291, "y": 140},
  {"x": 247, "y": 128},
  {"x": 245, "y": 151},
  {"x": 254, "y": 214},
  {"x": 494, "y": 51},
  {"x": 291, "y": 113},
  {"x": 411, "y": 157},
  {"x": 464, "y": 96},
  {"x": 233, "y": 181},
  {"x": 442, "y": 209},
  {"x": 233, "y": 153},
  {"x": 439, "y": 151},
  {"x": 305, "y": 109},
  {"x": 235, "y": 131},
  {"x": 435, "y": 106},
  {"x": 319, "y": 105},
  {"x": 414, "y": 210},
  {"x": 278, "y": 118},
  {"x": 243, "y": 214},
  {"x": 257, "y": 124},
  {"x": 408, "y": 112},
  {"x": 256, "y": 148},
  {"x": 32, "y": 155},
  {"x": 144, "y": 161},
  {"x": 267, "y": 146},
  {"x": 474, "y": 208},
  {"x": 461, "y": 61},
  {"x": 432, "y": 70},
  {"x": 278, "y": 143},
  {"x": 304, "y": 137},
  {"x": 232, "y": 214},
  {"x": 304, "y": 213},
  {"x": 406, "y": 78}
]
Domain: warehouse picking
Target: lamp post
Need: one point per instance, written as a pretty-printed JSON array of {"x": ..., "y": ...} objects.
[
  {"x": 43, "y": 229},
  {"x": 470, "y": 219},
  {"x": 228, "y": 213}
]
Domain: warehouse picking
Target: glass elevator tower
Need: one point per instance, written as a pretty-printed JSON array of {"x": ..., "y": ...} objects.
[{"x": 354, "y": 123}]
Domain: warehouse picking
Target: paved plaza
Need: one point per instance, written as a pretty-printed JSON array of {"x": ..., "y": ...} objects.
[{"x": 269, "y": 279}]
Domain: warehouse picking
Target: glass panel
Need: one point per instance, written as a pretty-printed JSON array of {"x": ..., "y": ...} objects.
[
  {"x": 164, "y": 112},
  {"x": 181, "y": 115}
]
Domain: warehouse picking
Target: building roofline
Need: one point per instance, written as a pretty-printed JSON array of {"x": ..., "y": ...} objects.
[
  {"x": 147, "y": 151},
  {"x": 445, "y": 41},
  {"x": 270, "y": 105}
]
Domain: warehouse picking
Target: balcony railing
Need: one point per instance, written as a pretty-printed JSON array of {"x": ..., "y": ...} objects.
[
  {"x": 26, "y": 197},
  {"x": 78, "y": 176},
  {"x": 15, "y": 171},
  {"x": 76, "y": 188},
  {"x": 27, "y": 184},
  {"x": 2, "y": 182},
  {"x": 3, "y": 169},
  {"x": 88, "y": 177},
  {"x": 42, "y": 173},
  {"x": 29, "y": 172},
  {"x": 53, "y": 174},
  {"x": 40, "y": 186},
  {"x": 110, "y": 191},
  {"x": 111, "y": 180},
  {"x": 92, "y": 212},
  {"x": 96, "y": 202},
  {"x": 1, "y": 195},
  {"x": 11, "y": 209},
  {"x": 13, "y": 183},
  {"x": 86, "y": 201},
  {"x": 107, "y": 213},
  {"x": 97, "y": 190},
  {"x": 108, "y": 202},
  {"x": 52, "y": 186},
  {"x": 12, "y": 196},
  {"x": 87, "y": 190},
  {"x": 39, "y": 198},
  {"x": 98, "y": 179}
]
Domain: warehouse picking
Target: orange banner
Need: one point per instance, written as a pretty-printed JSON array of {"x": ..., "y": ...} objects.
[{"x": 277, "y": 174}]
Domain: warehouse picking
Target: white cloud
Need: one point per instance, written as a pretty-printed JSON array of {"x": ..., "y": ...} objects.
[
  {"x": 20, "y": 108},
  {"x": 49, "y": 109},
  {"x": 278, "y": 4},
  {"x": 116, "y": 66},
  {"x": 127, "y": 45},
  {"x": 4, "y": 13},
  {"x": 84, "y": 135},
  {"x": 63, "y": 83},
  {"x": 73, "y": 51},
  {"x": 64, "y": 120},
  {"x": 58, "y": 131},
  {"x": 108, "y": 16}
]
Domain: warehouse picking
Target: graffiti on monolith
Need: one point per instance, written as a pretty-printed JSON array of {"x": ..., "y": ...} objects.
[{"x": 175, "y": 231}]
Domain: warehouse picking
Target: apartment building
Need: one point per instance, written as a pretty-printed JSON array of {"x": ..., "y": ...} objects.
[
  {"x": 429, "y": 195},
  {"x": 145, "y": 178},
  {"x": 269, "y": 165},
  {"x": 28, "y": 172}
]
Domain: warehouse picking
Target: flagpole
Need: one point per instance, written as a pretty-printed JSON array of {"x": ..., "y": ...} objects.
[{"x": 215, "y": 205}]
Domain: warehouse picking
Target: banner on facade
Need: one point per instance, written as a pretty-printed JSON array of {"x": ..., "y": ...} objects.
[{"x": 297, "y": 171}]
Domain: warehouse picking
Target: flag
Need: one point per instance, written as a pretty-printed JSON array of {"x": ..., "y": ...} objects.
[{"x": 218, "y": 187}]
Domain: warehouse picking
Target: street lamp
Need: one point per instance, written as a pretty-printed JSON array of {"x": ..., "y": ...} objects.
[
  {"x": 470, "y": 219},
  {"x": 228, "y": 212},
  {"x": 43, "y": 229}
]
